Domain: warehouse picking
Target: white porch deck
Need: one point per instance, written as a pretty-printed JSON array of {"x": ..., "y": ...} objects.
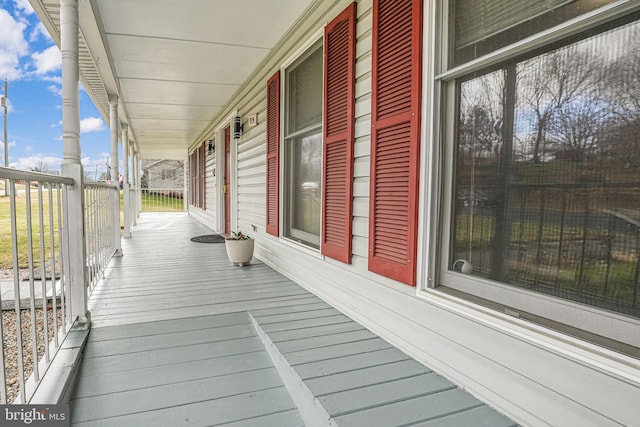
[{"x": 180, "y": 337}]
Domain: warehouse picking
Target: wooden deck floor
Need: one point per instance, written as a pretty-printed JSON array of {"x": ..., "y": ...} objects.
[{"x": 180, "y": 337}]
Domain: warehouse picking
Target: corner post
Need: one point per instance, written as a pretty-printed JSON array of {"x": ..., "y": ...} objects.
[
  {"x": 136, "y": 184},
  {"x": 71, "y": 166},
  {"x": 113, "y": 129},
  {"x": 125, "y": 182},
  {"x": 185, "y": 191}
]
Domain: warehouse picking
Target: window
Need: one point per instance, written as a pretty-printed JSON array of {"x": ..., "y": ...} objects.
[
  {"x": 303, "y": 148},
  {"x": 197, "y": 175},
  {"x": 319, "y": 111},
  {"x": 544, "y": 199},
  {"x": 482, "y": 26}
]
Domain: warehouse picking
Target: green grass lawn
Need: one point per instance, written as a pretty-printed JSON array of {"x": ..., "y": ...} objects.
[
  {"x": 6, "y": 248},
  {"x": 150, "y": 203}
]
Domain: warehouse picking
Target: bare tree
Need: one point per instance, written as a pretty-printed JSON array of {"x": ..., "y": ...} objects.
[
  {"x": 549, "y": 82},
  {"x": 40, "y": 167}
]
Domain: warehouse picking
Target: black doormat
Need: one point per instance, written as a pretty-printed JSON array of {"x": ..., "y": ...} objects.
[{"x": 208, "y": 238}]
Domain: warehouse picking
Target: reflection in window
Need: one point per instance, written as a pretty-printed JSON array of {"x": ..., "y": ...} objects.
[
  {"x": 303, "y": 148},
  {"x": 547, "y": 175},
  {"x": 483, "y": 26}
]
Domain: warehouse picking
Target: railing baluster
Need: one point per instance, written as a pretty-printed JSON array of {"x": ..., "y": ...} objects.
[
  {"x": 65, "y": 258},
  {"x": 32, "y": 294},
  {"x": 16, "y": 290},
  {"x": 52, "y": 240},
  {"x": 43, "y": 273}
]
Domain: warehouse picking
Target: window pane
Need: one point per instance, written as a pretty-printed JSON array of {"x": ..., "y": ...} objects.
[
  {"x": 547, "y": 179},
  {"x": 482, "y": 26},
  {"x": 304, "y": 91},
  {"x": 305, "y": 185},
  {"x": 303, "y": 148}
]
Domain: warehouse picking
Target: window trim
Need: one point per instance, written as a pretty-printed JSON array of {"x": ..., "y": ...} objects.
[
  {"x": 439, "y": 188},
  {"x": 302, "y": 50}
]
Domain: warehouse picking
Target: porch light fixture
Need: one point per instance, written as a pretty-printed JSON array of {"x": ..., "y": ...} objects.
[
  {"x": 237, "y": 127},
  {"x": 211, "y": 148}
]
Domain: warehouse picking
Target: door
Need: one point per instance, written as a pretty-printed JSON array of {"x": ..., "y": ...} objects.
[{"x": 227, "y": 180}]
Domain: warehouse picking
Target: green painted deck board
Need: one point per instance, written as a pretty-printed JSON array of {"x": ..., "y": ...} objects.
[
  {"x": 172, "y": 344},
  {"x": 221, "y": 411},
  {"x": 363, "y": 377},
  {"x": 381, "y": 394},
  {"x": 414, "y": 410},
  {"x": 169, "y": 356},
  {"x": 350, "y": 363},
  {"x": 315, "y": 331}
]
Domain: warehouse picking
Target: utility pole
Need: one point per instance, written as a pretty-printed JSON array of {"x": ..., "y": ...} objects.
[{"x": 5, "y": 102}]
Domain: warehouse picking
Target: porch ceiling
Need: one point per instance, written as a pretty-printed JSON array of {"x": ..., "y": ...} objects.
[{"x": 174, "y": 64}]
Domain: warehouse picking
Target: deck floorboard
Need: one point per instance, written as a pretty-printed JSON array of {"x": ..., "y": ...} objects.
[{"x": 174, "y": 342}]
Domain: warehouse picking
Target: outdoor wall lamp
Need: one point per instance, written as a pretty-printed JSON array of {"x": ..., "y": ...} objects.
[
  {"x": 238, "y": 127},
  {"x": 211, "y": 148}
]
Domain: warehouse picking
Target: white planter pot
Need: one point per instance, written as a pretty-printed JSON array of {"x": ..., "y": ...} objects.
[{"x": 239, "y": 252}]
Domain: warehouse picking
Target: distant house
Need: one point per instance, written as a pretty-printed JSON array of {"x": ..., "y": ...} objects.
[{"x": 163, "y": 175}]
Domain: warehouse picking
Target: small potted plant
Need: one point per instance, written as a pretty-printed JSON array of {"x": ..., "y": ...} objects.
[{"x": 239, "y": 248}]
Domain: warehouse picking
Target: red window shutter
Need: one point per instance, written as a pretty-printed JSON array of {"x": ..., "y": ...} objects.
[
  {"x": 203, "y": 177},
  {"x": 192, "y": 175},
  {"x": 273, "y": 154},
  {"x": 395, "y": 138},
  {"x": 338, "y": 135}
]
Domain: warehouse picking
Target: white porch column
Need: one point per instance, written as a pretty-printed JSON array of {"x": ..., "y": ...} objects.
[
  {"x": 125, "y": 184},
  {"x": 71, "y": 166},
  {"x": 113, "y": 128},
  {"x": 134, "y": 178},
  {"x": 185, "y": 195},
  {"x": 139, "y": 184}
]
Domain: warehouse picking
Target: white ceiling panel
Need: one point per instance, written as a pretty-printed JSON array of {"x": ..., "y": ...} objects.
[
  {"x": 186, "y": 112},
  {"x": 173, "y": 64},
  {"x": 176, "y": 60},
  {"x": 257, "y": 23},
  {"x": 177, "y": 93}
]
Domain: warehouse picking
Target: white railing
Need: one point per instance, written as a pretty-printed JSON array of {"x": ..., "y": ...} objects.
[
  {"x": 32, "y": 331},
  {"x": 39, "y": 292},
  {"x": 102, "y": 230},
  {"x": 162, "y": 200}
]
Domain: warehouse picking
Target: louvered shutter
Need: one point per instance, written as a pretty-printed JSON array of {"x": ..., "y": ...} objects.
[
  {"x": 203, "y": 177},
  {"x": 273, "y": 154},
  {"x": 338, "y": 129},
  {"x": 395, "y": 138},
  {"x": 192, "y": 172}
]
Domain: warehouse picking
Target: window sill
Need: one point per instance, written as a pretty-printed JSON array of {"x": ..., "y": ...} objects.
[
  {"x": 301, "y": 247},
  {"x": 596, "y": 357}
]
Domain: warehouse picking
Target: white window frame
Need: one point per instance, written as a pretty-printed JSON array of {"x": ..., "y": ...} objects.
[
  {"x": 284, "y": 209},
  {"x": 434, "y": 274}
]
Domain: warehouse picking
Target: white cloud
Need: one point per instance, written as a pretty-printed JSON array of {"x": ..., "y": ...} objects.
[
  {"x": 91, "y": 124},
  {"x": 13, "y": 46},
  {"x": 55, "y": 90},
  {"x": 24, "y": 6},
  {"x": 39, "y": 31},
  {"x": 47, "y": 61},
  {"x": 28, "y": 149},
  {"x": 28, "y": 163},
  {"x": 11, "y": 144}
]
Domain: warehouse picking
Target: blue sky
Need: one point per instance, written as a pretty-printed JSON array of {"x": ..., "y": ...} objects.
[{"x": 30, "y": 61}]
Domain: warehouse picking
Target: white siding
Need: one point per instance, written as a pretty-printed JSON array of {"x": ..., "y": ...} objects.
[{"x": 531, "y": 374}]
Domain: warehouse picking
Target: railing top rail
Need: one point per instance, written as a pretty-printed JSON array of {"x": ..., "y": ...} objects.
[
  {"x": 9, "y": 173},
  {"x": 100, "y": 185}
]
